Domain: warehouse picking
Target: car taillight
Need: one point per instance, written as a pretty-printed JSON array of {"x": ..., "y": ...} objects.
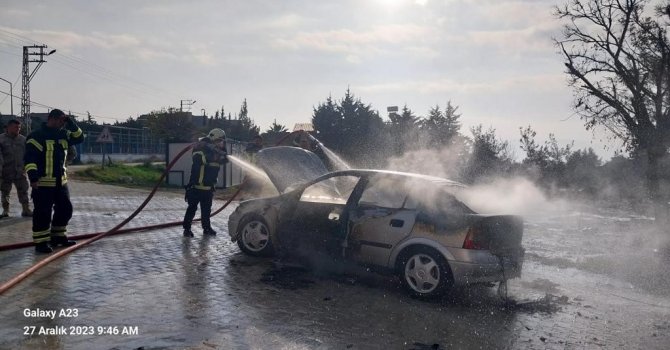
[{"x": 470, "y": 243}]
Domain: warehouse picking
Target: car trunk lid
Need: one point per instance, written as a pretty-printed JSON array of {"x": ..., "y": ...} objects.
[{"x": 500, "y": 234}]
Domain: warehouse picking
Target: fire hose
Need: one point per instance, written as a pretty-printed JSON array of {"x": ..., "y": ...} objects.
[{"x": 92, "y": 237}]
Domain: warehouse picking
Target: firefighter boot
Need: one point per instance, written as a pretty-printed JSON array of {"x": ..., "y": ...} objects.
[
  {"x": 43, "y": 247},
  {"x": 61, "y": 240},
  {"x": 26, "y": 210},
  {"x": 209, "y": 232},
  {"x": 188, "y": 232}
]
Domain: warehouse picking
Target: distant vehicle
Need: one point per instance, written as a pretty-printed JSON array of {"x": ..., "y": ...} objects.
[{"x": 408, "y": 224}]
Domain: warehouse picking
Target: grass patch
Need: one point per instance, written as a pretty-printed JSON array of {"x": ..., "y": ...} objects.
[{"x": 146, "y": 174}]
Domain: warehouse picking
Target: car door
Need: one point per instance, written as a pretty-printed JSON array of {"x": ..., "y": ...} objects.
[
  {"x": 379, "y": 221},
  {"x": 314, "y": 223}
]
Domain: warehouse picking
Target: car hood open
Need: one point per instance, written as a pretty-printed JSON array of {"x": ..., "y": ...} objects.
[{"x": 288, "y": 166}]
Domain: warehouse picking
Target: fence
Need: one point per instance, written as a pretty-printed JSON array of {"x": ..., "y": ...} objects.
[{"x": 126, "y": 141}]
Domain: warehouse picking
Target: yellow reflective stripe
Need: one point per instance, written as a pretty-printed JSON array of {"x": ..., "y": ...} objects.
[
  {"x": 215, "y": 164},
  {"x": 58, "y": 228},
  {"x": 41, "y": 236},
  {"x": 30, "y": 166},
  {"x": 76, "y": 133},
  {"x": 202, "y": 187},
  {"x": 202, "y": 174},
  {"x": 35, "y": 144},
  {"x": 47, "y": 181},
  {"x": 65, "y": 146},
  {"x": 58, "y": 234},
  {"x": 49, "y": 158}
]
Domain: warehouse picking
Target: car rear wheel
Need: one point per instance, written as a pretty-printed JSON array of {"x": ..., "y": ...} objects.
[
  {"x": 254, "y": 236},
  {"x": 425, "y": 272}
]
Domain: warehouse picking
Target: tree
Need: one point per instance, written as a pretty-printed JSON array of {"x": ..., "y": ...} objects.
[
  {"x": 490, "y": 156},
  {"x": 583, "y": 172},
  {"x": 618, "y": 62},
  {"x": 442, "y": 128},
  {"x": 548, "y": 161},
  {"x": 362, "y": 129},
  {"x": 172, "y": 125},
  {"x": 350, "y": 128},
  {"x": 131, "y": 123},
  {"x": 276, "y": 128},
  {"x": 245, "y": 128},
  {"x": 404, "y": 130},
  {"x": 328, "y": 124}
]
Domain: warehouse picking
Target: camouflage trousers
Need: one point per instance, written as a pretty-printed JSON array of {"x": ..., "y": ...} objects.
[{"x": 22, "y": 187}]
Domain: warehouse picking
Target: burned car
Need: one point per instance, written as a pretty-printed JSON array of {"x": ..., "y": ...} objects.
[{"x": 408, "y": 224}]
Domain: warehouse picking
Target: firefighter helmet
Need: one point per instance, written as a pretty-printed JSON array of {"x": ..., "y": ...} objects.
[{"x": 216, "y": 134}]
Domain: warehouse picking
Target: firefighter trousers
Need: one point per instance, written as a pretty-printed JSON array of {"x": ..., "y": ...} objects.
[
  {"x": 46, "y": 200},
  {"x": 193, "y": 198}
]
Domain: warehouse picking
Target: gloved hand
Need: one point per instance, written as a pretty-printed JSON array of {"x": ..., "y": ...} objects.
[{"x": 70, "y": 124}]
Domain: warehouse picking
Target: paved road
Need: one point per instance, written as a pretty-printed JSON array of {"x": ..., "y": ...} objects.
[{"x": 158, "y": 290}]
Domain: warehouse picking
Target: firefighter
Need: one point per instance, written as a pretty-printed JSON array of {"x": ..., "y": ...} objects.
[
  {"x": 12, "y": 149},
  {"x": 45, "y": 163},
  {"x": 208, "y": 156}
]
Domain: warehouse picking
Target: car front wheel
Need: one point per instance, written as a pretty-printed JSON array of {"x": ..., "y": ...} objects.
[
  {"x": 425, "y": 273},
  {"x": 254, "y": 236}
]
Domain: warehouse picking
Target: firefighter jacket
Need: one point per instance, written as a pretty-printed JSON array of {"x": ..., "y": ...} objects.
[
  {"x": 207, "y": 161},
  {"x": 12, "y": 150},
  {"x": 46, "y": 153}
]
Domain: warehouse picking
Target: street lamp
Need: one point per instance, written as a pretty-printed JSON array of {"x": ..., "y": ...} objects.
[{"x": 11, "y": 95}]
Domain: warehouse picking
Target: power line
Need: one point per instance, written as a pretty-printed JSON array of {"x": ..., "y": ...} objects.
[
  {"x": 81, "y": 114},
  {"x": 92, "y": 69}
]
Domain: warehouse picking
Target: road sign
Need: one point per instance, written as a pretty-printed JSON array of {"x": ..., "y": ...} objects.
[{"x": 105, "y": 136}]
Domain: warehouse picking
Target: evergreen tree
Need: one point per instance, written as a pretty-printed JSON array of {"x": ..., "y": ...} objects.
[
  {"x": 440, "y": 128},
  {"x": 350, "y": 128},
  {"x": 404, "y": 131},
  {"x": 490, "y": 155},
  {"x": 328, "y": 124}
]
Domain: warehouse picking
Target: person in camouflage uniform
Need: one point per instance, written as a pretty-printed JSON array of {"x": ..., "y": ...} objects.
[{"x": 12, "y": 149}]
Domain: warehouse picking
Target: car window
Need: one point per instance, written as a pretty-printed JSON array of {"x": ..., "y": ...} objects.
[
  {"x": 437, "y": 201},
  {"x": 434, "y": 197},
  {"x": 384, "y": 193},
  {"x": 335, "y": 189}
]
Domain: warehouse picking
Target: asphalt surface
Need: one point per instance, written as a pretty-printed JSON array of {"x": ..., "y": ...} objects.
[{"x": 587, "y": 283}]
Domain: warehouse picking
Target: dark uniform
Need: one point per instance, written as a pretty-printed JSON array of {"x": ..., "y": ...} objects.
[
  {"x": 45, "y": 163},
  {"x": 207, "y": 161}
]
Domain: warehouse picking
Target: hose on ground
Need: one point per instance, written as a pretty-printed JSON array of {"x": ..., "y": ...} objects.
[{"x": 90, "y": 238}]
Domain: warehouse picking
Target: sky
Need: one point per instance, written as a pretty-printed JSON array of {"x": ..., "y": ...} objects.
[{"x": 494, "y": 59}]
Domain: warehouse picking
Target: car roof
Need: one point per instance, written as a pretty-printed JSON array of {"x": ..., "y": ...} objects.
[{"x": 391, "y": 173}]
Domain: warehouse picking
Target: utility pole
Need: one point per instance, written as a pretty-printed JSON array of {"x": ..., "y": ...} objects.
[
  {"x": 28, "y": 51},
  {"x": 187, "y": 103}
]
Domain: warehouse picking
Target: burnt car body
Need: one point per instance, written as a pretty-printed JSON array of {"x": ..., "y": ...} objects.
[{"x": 409, "y": 224}]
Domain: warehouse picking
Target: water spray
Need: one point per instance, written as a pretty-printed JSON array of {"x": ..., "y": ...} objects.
[
  {"x": 92, "y": 237},
  {"x": 337, "y": 162}
]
